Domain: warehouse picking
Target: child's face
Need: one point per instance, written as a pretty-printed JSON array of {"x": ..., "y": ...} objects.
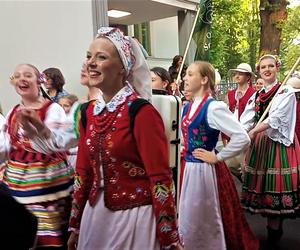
[
  {"x": 26, "y": 82},
  {"x": 66, "y": 104}
]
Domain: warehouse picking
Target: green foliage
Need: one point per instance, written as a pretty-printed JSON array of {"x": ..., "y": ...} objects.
[
  {"x": 235, "y": 33},
  {"x": 290, "y": 46}
]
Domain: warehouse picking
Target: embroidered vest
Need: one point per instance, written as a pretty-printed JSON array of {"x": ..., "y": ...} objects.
[
  {"x": 242, "y": 101},
  {"x": 22, "y": 151},
  {"x": 197, "y": 133}
]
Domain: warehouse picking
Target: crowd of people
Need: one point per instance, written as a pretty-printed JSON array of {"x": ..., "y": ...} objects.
[{"x": 95, "y": 174}]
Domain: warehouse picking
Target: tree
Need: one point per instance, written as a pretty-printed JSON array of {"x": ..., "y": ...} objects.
[
  {"x": 235, "y": 33},
  {"x": 273, "y": 13},
  {"x": 290, "y": 47}
]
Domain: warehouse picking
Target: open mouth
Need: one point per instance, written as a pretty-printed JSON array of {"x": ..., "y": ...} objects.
[
  {"x": 23, "y": 87},
  {"x": 93, "y": 73}
]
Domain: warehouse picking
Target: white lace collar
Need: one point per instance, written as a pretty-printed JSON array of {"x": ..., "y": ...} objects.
[{"x": 117, "y": 100}]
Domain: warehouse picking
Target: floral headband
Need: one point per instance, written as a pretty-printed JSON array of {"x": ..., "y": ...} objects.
[
  {"x": 122, "y": 44},
  {"x": 275, "y": 57}
]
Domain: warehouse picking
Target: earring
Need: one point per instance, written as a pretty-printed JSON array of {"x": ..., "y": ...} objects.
[{"x": 122, "y": 71}]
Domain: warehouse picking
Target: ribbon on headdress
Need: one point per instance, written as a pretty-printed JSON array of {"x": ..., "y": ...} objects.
[{"x": 275, "y": 57}]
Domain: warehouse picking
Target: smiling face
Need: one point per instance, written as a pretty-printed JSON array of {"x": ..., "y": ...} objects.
[
  {"x": 104, "y": 66},
  {"x": 26, "y": 82},
  {"x": 259, "y": 84},
  {"x": 268, "y": 70}
]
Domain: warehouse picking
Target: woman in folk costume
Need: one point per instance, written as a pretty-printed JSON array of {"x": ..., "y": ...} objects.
[
  {"x": 33, "y": 141},
  {"x": 124, "y": 193},
  {"x": 210, "y": 215},
  {"x": 271, "y": 175}
]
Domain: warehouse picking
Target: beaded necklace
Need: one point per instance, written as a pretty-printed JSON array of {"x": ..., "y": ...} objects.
[
  {"x": 262, "y": 101},
  {"x": 105, "y": 120}
]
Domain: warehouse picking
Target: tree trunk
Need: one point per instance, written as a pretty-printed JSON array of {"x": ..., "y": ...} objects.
[{"x": 272, "y": 14}]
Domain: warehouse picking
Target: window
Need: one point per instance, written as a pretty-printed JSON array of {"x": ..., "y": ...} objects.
[{"x": 142, "y": 33}]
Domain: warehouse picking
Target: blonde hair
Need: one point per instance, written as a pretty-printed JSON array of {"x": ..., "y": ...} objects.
[
  {"x": 71, "y": 98},
  {"x": 207, "y": 70}
]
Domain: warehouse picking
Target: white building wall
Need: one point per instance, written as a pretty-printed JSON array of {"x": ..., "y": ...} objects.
[
  {"x": 164, "y": 41},
  {"x": 47, "y": 34}
]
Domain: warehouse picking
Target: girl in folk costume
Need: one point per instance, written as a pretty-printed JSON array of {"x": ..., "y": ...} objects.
[
  {"x": 33, "y": 142},
  {"x": 208, "y": 191},
  {"x": 122, "y": 179},
  {"x": 71, "y": 107},
  {"x": 238, "y": 98},
  {"x": 271, "y": 175},
  {"x": 237, "y": 101}
]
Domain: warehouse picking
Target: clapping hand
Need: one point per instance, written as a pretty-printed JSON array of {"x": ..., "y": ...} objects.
[{"x": 32, "y": 123}]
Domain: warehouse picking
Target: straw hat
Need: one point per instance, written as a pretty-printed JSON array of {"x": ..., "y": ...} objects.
[
  {"x": 244, "y": 68},
  {"x": 294, "y": 82}
]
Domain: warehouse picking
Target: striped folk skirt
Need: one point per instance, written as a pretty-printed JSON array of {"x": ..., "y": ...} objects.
[
  {"x": 45, "y": 189},
  {"x": 272, "y": 178}
]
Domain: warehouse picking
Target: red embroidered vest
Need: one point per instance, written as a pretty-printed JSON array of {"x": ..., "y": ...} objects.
[
  {"x": 135, "y": 166},
  {"x": 242, "y": 102}
]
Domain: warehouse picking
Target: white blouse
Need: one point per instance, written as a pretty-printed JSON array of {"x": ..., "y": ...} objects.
[
  {"x": 282, "y": 116},
  {"x": 219, "y": 117},
  {"x": 62, "y": 134}
]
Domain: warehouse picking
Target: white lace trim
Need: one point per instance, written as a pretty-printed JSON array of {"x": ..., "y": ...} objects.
[
  {"x": 117, "y": 100},
  {"x": 279, "y": 130}
]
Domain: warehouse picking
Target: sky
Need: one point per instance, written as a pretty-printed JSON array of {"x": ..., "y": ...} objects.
[{"x": 294, "y": 3}]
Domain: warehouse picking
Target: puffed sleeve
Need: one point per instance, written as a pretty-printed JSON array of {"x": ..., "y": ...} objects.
[
  {"x": 4, "y": 139},
  {"x": 82, "y": 184},
  {"x": 63, "y": 136},
  {"x": 247, "y": 118},
  {"x": 282, "y": 117},
  {"x": 153, "y": 148},
  {"x": 219, "y": 117}
]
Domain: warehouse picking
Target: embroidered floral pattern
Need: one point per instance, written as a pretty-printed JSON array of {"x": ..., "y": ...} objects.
[
  {"x": 271, "y": 202},
  {"x": 287, "y": 201},
  {"x": 77, "y": 182},
  {"x": 161, "y": 192}
]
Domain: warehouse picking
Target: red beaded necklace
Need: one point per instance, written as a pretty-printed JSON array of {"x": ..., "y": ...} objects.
[{"x": 105, "y": 119}]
